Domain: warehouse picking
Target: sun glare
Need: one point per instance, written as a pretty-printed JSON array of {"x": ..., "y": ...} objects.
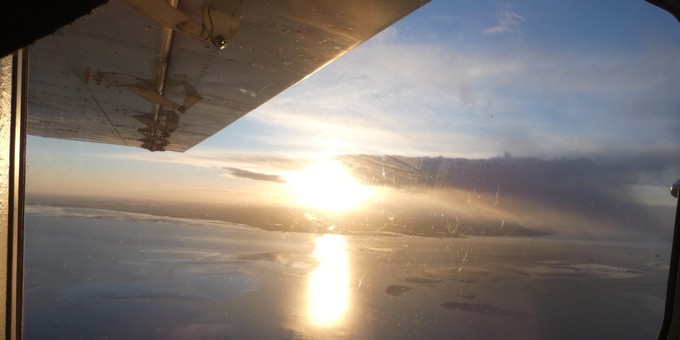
[{"x": 327, "y": 185}]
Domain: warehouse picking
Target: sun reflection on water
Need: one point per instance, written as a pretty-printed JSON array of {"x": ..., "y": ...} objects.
[{"x": 328, "y": 284}]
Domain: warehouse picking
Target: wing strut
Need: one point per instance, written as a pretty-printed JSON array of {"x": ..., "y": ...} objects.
[{"x": 166, "y": 45}]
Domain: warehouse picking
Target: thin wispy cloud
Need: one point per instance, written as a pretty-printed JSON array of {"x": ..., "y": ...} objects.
[
  {"x": 254, "y": 175},
  {"x": 423, "y": 98},
  {"x": 244, "y": 165},
  {"x": 508, "y": 22}
]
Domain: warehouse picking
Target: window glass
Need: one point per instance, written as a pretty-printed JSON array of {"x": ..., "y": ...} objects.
[{"x": 477, "y": 170}]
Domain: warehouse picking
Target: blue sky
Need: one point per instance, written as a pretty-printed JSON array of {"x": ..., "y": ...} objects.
[{"x": 471, "y": 79}]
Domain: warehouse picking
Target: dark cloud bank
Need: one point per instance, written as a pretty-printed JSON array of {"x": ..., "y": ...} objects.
[{"x": 588, "y": 197}]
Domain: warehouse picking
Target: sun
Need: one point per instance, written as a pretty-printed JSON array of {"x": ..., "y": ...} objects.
[{"x": 327, "y": 185}]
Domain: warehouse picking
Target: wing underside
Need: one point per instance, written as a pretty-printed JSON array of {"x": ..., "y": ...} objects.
[{"x": 142, "y": 73}]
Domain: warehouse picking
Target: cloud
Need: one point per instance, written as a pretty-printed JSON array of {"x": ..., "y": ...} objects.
[
  {"x": 592, "y": 197},
  {"x": 508, "y": 22},
  {"x": 254, "y": 175}
]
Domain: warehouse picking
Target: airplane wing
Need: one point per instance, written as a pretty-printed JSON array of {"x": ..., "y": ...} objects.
[{"x": 167, "y": 75}]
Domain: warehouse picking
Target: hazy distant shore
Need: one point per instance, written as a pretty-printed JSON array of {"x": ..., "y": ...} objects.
[{"x": 415, "y": 222}]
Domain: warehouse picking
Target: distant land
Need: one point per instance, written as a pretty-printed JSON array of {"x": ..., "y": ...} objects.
[{"x": 413, "y": 221}]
